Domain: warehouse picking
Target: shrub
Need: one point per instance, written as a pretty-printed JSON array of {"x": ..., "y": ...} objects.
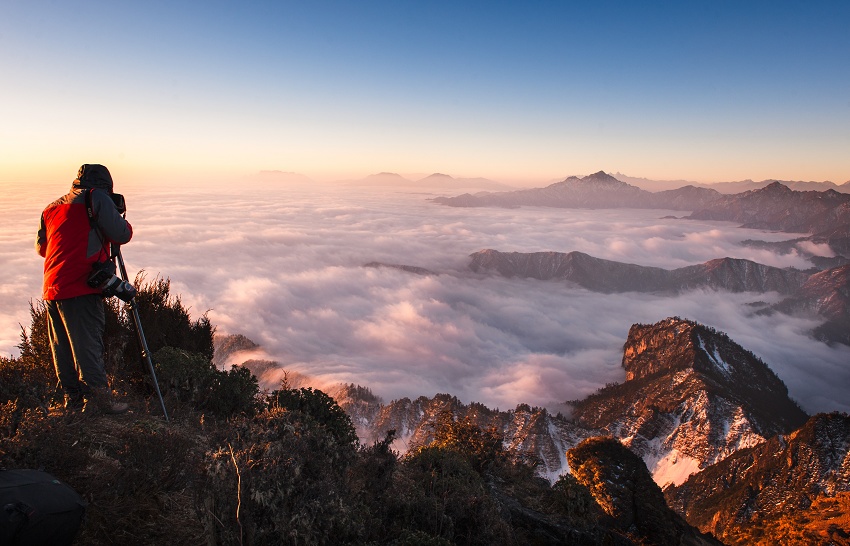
[
  {"x": 166, "y": 321},
  {"x": 278, "y": 478},
  {"x": 193, "y": 379},
  {"x": 321, "y": 408},
  {"x": 442, "y": 494},
  {"x": 572, "y": 500},
  {"x": 29, "y": 381},
  {"x": 482, "y": 447}
]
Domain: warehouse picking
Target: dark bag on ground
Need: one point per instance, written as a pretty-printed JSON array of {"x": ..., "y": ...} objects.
[{"x": 36, "y": 508}]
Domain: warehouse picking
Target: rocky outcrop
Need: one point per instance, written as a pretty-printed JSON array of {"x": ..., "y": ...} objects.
[
  {"x": 758, "y": 491},
  {"x": 692, "y": 397},
  {"x": 621, "y": 485},
  {"x": 527, "y": 431},
  {"x": 226, "y": 345}
]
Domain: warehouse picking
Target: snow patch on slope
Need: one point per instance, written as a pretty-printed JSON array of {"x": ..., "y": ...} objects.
[
  {"x": 715, "y": 358},
  {"x": 673, "y": 468}
]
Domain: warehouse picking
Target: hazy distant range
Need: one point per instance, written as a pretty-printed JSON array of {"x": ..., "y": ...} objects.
[
  {"x": 282, "y": 263},
  {"x": 438, "y": 182}
]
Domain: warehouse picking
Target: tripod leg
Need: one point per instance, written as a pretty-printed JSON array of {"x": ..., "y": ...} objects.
[{"x": 140, "y": 334}]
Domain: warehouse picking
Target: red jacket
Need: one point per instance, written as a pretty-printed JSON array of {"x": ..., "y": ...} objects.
[{"x": 70, "y": 245}]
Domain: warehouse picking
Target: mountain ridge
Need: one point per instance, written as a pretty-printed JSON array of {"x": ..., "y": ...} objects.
[
  {"x": 597, "y": 190},
  {"x": 697, "y": 365},
  {"x": 755, "y": 490},
  {"x": 780, "y": 208},
  {"x": 774, "y": 206},
  {"x": 822, "y": 294},
  {"x": 607, "y": 276}
]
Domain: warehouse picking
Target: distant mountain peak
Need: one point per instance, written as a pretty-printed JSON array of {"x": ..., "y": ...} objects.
[
  {"x": 602, "y": 175},
  {"x": 776, "y": 186},
  {"x": 778, "y": 207},
  {"x": 439, "y": 175}
]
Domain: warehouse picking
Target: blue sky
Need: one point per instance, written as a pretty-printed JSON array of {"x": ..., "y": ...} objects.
[{"x": 521, "y": 92}]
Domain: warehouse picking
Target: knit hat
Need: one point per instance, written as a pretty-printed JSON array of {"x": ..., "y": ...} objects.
[{"x": 94, "y": 176}]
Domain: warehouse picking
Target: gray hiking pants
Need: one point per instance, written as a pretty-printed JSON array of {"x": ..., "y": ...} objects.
[{"x": 75, "y": 329}]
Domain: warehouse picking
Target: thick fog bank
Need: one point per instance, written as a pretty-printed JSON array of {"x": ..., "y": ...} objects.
[{"x": 284, "y": 267}]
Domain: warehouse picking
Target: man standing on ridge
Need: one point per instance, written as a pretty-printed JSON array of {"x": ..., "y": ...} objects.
[{"x": 76, "y": 232}]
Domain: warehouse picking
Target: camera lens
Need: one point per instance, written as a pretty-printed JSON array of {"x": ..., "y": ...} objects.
[{"x": 125, "y": 291}]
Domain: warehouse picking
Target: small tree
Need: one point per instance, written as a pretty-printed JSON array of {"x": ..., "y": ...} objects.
[
  {"x": 319, "y": 407},
  {"x": 483, "y": 447},
  {"x": 192, "y": 378}
]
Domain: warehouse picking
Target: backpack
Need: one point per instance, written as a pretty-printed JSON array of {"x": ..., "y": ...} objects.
[{"x": 38, "y": 509}]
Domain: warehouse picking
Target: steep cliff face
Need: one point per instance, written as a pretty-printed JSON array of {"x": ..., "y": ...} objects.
[
  {"x": 791, "y": 484},
  {"x": 620, "y": 483},
  {"x": 692, "y": 397},
  {"x": 227, "y": 345}
]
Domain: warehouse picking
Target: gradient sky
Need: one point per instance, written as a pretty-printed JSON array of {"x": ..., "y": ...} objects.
[{"x": 515, "y": 91}]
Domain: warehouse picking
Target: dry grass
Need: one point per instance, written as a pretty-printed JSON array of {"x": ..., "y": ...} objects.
[
  {"x": 825, "y": 523},
  {"x": 136, "y": 473}
]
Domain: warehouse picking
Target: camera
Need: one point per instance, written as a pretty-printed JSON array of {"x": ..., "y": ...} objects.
[
  {"x": 103, "y": 277},
  {"x": 120, "y": 204}
]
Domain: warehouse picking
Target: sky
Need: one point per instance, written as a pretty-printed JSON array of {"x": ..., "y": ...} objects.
[
  {"x": 284, "y": 267},
  {"x": 519, "y": 92}
]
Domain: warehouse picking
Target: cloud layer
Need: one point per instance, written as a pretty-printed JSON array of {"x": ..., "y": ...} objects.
[{"x": 284, "y": 267}]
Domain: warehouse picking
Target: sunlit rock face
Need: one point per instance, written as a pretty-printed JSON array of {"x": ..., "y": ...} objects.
[
  {"x": 623, "y": 488},
  {"x": 800, "y": 481},
  {"x": 692, "y": 398}
]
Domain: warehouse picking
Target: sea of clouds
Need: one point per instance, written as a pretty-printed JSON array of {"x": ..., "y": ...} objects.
[{"x": 284, "y": 267}]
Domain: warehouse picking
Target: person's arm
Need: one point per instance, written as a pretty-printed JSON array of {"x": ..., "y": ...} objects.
[
  {"x": 117, "y": 229},
  {"x": 41, "y": 239}
]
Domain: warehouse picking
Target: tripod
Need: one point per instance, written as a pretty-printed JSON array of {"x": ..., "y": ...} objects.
[{"x": 140, "y": 334}]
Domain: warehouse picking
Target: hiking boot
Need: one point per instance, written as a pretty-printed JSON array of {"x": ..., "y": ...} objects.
[
  {"x": 101, "y": 400},
  {"x": 74, "y": 402}
]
